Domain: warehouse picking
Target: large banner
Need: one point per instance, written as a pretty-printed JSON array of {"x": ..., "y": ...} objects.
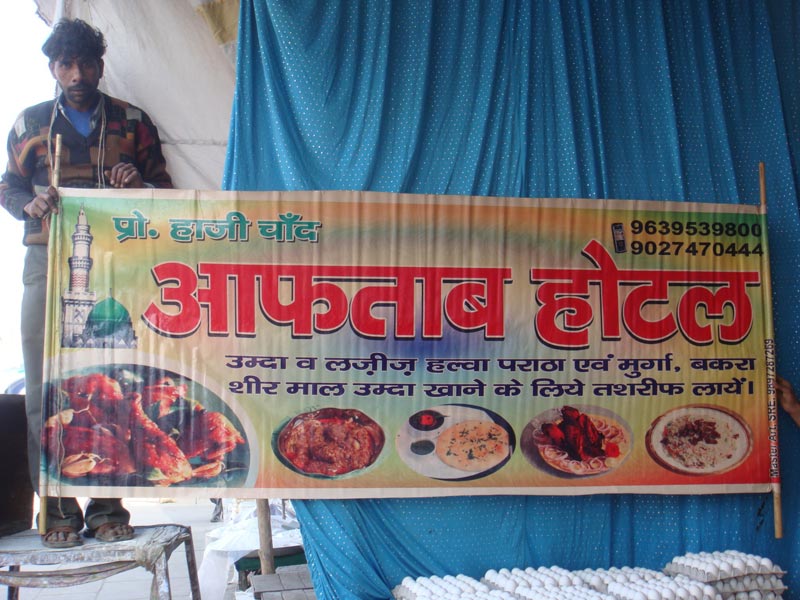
[{"x": 354, "y": 344}]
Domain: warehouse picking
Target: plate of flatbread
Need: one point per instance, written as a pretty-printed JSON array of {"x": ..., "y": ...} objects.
[{"x": 455, "y": 442}]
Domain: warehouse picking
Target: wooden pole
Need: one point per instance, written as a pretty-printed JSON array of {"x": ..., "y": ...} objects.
[
  {"x": 266, "y": 554},
  {"x": 55, "y": 180},
  {"x": 57, "y": 163},
  {"x": 772, "y": 401}
]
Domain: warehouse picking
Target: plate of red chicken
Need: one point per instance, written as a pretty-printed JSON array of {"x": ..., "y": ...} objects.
[
  {"x": 133, "y": 425},
  {"x": 576, "y": 441}
]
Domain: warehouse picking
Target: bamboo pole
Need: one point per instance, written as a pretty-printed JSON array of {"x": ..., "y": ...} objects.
[
  {"x": 57, "y": 166},
  {"x": 55, "y": 180},
  {"x": 772, "y": 401}
]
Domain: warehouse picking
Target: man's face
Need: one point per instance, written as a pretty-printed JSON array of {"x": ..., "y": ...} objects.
[{"x": 78, "y": 78}]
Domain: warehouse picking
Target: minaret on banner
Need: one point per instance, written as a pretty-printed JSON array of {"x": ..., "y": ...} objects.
[
  {"x": 78, "y": 301},
  {"x": 87, "y": 323}
]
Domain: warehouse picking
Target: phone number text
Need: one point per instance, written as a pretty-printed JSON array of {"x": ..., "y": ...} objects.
[
  {"x": 699, "y": 228},
  {"x": 664, "y": 248}
]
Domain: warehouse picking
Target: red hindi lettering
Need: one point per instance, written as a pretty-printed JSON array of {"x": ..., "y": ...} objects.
[
  {"x": 566, "y": 312},
  {"x": 733, "y": 294},
  {"x": 187, "y": 319}
]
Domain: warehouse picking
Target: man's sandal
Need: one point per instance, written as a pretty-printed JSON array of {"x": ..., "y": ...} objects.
[
  {"x": 111, "y": 532},
  {"x": 62, "y": 536}
]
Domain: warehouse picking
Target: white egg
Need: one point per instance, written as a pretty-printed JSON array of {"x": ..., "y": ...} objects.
[
  {"x": 653, "y": 593},
  {"x": 752, "y": 564},
  {"x": 667, "y": 593},
  {"x": 738, "y": 566},
  {"x": 696, "y": 591}
]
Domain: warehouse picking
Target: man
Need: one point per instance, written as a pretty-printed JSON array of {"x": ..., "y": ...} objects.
[
  {"x": 787, "y": 399},
  {"x": 105, "y": 143}
]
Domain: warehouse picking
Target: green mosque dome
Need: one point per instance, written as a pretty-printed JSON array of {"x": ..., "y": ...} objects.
[{"x": 107, "y": 318}]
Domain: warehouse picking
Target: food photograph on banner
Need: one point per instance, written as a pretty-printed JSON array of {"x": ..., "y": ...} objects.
[{"x": 368, "y": 345}]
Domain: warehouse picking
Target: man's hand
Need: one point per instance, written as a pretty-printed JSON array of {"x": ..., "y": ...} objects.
[
  {"x": 42, "y": 204},
  {"x": 787, "y": 398},
  {"x": 124, "y": 175}
]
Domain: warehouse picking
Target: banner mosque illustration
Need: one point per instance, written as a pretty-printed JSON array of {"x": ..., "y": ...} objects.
[{"x": 87, "y": 323}]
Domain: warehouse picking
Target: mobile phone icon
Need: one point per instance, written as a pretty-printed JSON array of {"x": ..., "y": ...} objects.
[{"x": 619, "y": 237}]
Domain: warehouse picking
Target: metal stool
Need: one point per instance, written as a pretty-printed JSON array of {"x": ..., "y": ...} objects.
[{"x": 150, "y": 548}]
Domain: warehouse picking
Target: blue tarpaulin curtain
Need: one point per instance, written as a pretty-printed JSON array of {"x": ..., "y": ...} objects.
[{"x": 673, "y": 100}]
